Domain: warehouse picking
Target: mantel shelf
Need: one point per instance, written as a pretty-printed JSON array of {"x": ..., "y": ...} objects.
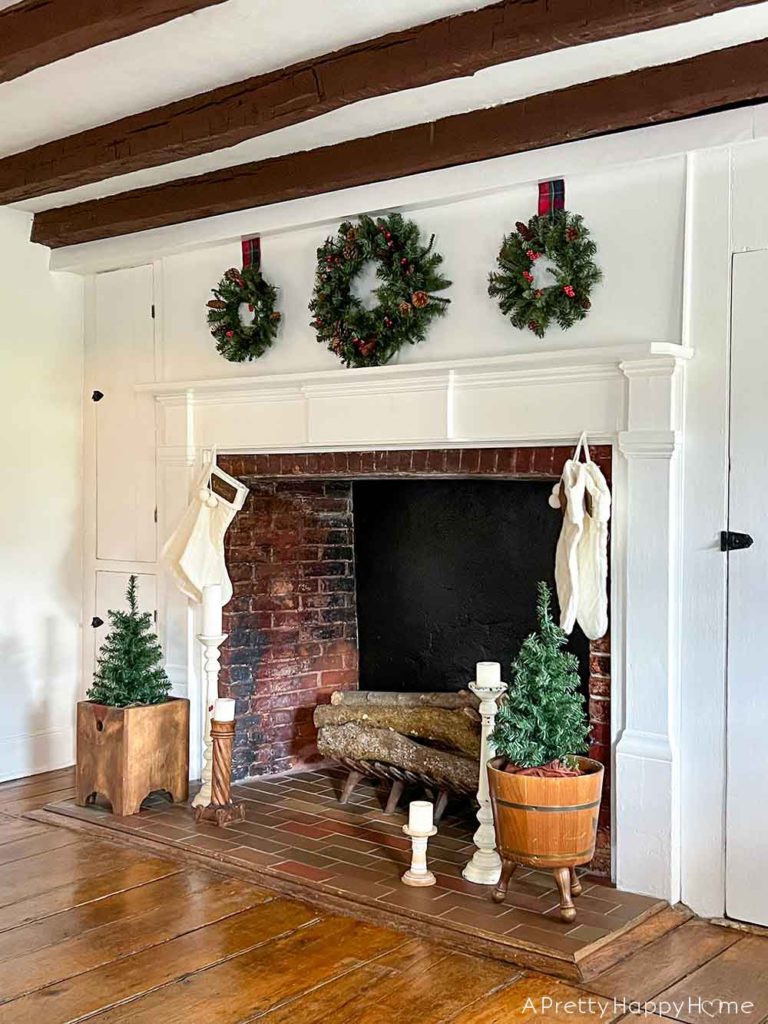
[{"x": 550, "y": 363}]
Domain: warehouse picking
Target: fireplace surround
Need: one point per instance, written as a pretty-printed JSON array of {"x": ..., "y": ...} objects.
[{"x": 629, "y": 397}]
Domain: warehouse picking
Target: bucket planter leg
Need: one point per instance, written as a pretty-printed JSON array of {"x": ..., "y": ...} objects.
[
  {"x": 508, "y": 868},
  {"x": 563, "y": 879}
]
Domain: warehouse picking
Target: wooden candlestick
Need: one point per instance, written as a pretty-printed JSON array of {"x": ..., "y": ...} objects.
[
  {"x": 418, "y": 873},
  {"x": 222, "y": 810}
]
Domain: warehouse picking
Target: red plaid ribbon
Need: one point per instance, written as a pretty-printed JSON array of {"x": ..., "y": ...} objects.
[
  {"x": 251, "y": 252},
  {"x": 551, "y": 196}
]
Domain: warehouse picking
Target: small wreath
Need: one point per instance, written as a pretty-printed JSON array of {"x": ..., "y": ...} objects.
[
  {"x": 406, "y": 304},
  {"x": 242, "y": 316},
  {"x": 564, "y": 298}
]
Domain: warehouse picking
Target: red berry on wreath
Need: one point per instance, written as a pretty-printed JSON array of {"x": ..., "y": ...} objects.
[
  {"x": 404, "y": 261},
  {"x": 568, "y": 289},
  {"x": 532, "y": 256},
  {"x": 572, "y": 234},
  {"x": 230, "y": 334},
  {"x": 528, "y": 276},
  {"x": 420, "y": 299},
  {"x": 533, "y": 326}
]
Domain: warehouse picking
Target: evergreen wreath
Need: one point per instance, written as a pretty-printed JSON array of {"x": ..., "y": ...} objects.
[
  {"x": 406, "y": 305},
  {"x": 130, "y": 664},
  {"x": 565, "y": 241},
  {"x": 542, "y": 719},
  {"x": 236, "y": 339}
]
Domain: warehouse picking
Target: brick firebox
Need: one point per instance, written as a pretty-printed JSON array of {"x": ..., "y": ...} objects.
[{"x": 292, "y": 619}]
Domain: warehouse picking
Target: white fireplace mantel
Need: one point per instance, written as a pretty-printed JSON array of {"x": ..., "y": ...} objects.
[{"x": 626, "y": 395}]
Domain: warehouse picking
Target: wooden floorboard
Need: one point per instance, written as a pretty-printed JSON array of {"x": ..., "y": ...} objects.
[
  {"x": 99, "y": 931},
  {"x": 120, "y": 981}
]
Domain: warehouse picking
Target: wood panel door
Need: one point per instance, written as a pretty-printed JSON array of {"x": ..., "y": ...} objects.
[
  {"x": 123, "y": 355},
  {"x": 747, "y": 787}
]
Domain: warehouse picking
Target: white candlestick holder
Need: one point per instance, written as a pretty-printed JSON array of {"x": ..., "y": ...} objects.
[
  {"x": 485, "y": 866},
  {"x": 211, "y": 656},
  {"x": 418, "y": 873}
]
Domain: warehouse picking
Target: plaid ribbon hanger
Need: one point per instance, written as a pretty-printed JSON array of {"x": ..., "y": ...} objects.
[
  {"x": 251, "y": 248},
  {"x": 551, "y": 196}
]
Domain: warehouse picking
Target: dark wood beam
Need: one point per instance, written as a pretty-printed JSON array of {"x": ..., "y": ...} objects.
[
  {"x": 710, "y": 82},
  {"x": 445, "y": 49},
  {"x": 38, "y": 32}
]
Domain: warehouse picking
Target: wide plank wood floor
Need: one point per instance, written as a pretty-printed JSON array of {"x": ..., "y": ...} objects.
[{"x": 103, "y": 932}]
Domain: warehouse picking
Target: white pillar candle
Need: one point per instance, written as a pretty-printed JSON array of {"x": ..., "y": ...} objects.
[
  {"x": 488, "y": 673},
  {"x": 224, "y": 710},
  {"x": 212, "y": 621},
  {"x": 420, "y": 816}
]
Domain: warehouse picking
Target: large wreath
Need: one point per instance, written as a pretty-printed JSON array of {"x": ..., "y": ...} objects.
[
  {"x": 406, "y": 301},
  {"x": 562, "y": 294},
  {"x": 242, "y": 314}
]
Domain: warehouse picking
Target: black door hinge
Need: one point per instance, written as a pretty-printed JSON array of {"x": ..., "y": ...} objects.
[
  {"x": 153, "y": 310},
  {"x": 731, "y": 541},
  {"x": 97, "y": 396}
]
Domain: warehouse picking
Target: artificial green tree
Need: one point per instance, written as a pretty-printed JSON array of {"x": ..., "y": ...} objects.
[
  {"x": 542, "y": 718},
  {"x": 130, "y": 664}
]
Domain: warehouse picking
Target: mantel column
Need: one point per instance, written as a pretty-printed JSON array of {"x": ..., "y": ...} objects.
[{"x": 647, "y": 755}]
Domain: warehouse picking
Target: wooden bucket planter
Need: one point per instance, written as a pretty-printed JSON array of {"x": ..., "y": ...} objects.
[
  {"x": 124, "y": 754},
  {"x": 546, "y": 823}
]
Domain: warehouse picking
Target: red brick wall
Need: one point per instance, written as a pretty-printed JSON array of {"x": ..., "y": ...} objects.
[{"x": 291, "y": 622}]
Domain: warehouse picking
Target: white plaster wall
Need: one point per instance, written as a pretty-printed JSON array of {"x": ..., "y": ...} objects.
[{"x": 40, "y": 513}]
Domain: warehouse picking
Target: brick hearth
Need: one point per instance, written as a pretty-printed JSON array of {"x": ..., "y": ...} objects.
[{"x": 292, "y": 620}]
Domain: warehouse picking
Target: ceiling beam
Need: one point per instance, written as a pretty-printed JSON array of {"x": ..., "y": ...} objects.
[
  {"x": 34, "y": 33},
  {"x": 445, "y": 49},
  {"x": 703, "y": 84}
]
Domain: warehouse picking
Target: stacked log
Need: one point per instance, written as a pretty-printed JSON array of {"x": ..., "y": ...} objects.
[
  {"x": 435, "y": 726},
  {"x": 434, "y": 737},
  {"x": 358, "y": 743}
]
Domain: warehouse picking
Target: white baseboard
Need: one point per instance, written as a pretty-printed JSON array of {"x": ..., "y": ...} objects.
[{"x": 34, "y": 753}]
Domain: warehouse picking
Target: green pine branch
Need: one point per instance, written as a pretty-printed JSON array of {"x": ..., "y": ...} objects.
[{"x": 130, "y": 664}]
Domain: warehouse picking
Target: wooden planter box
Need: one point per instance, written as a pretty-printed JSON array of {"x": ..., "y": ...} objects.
[{"x": 124, "y": 754}]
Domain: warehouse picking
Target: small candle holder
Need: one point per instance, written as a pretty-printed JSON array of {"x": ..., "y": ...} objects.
[
  {"x": 418, "y": 874},
  {"x": 222, "y": 810}
]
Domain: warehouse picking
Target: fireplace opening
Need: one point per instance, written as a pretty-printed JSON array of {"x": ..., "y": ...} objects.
[
  {"x": 330, "y": 595},
  {"x": 445, "y": 576}
]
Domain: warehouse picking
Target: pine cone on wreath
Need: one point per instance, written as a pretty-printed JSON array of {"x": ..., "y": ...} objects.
[{"x": 420, "y": 299}]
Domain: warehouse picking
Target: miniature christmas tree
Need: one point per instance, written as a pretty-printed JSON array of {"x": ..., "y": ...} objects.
[
  {"x": 130, "y": 669},
  {"x": 542, "y": 717}
]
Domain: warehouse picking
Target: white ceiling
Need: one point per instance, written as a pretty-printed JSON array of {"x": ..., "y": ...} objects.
[{"x": 214, "y": 46}]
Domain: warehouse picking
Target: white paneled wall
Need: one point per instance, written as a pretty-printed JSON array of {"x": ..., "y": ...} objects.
[{"x": 666, "y": 227}]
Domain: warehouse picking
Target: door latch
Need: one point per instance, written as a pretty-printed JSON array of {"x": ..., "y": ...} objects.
[{"x": 732, "y": 541}]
